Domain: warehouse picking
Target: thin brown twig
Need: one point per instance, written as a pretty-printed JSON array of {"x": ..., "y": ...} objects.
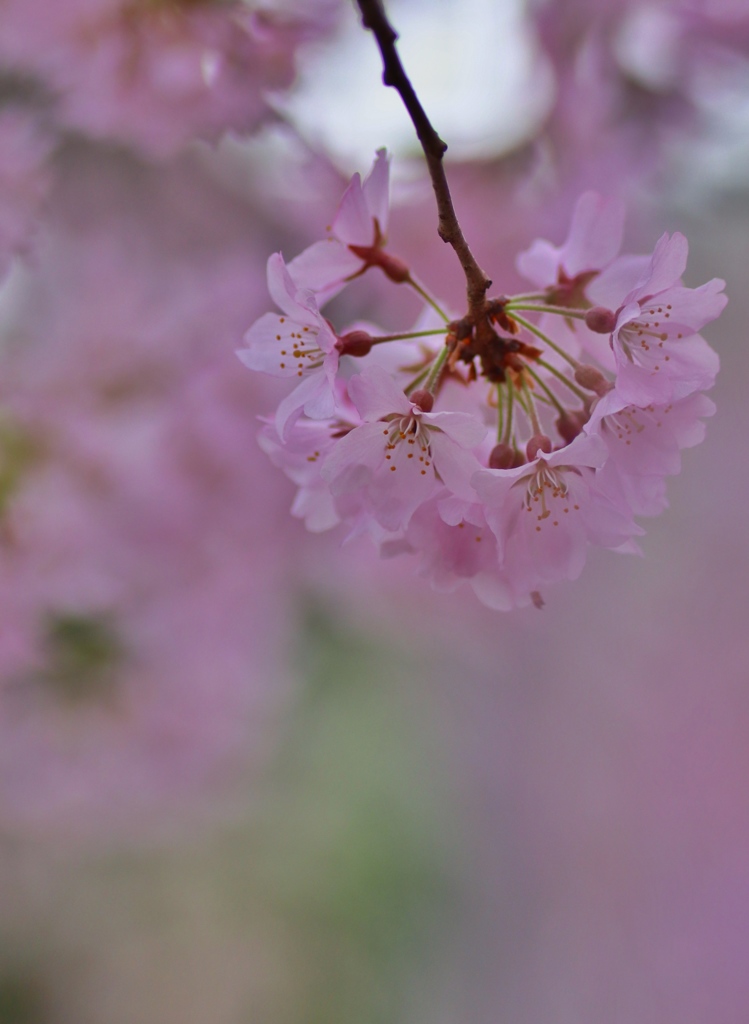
[{"x": 375, "y": 19}]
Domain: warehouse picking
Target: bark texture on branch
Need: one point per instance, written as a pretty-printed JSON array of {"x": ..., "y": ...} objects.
[{"x": 375, "y": 19}]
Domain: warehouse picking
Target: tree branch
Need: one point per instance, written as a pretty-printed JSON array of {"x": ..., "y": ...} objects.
[{"x": 375, "y": 19}]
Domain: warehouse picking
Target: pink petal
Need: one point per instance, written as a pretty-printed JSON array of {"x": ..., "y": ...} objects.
[
  {"x": 323, "y": 267},
  {"x": 695, "y": 307},
  {"x": 353, "y": 221},
  {"x": 376, "y": 190},
  {"x": 618, "y": 280},
  {"x": 375, "y": 394},
  {"x": 539, "y": 263},
  {"x": 595, "y": 235},
  {"x": 313, "y": 394},
  {"x": 466, "y": 430},
  {"x": 455, "y": 466},
  {"x": 286, "y": 294},
  {"x": 667, "y": 265},
  {"x": 355, "y": 457}
]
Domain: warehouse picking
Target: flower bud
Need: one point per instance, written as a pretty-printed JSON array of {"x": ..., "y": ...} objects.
[
  {"x": 538, "y": 443},
  {"x": 424, "y": 399},
  {"x": 504, "y": 456},
  {"x": 591, "y": 379},
  {"x": 355, "y": 343},
  {"x": 570, "y": 423},
  {"x": 600, "y": 320}
]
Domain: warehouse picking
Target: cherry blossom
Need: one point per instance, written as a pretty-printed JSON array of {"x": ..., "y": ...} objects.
[
  {"x": 644, "y": 443},
  {"x": 396, "y": 458},
  {"x": 593, "y": 242},
  {"x": 659, "y": 354},
  {"x": 546, "y": 513},
  {"x": 582, "y": 272},
  {"x": 580, "y": 448},
  {"x": 300, "y": 343},
  {"x": 300, "y": 454},
  {"x": 454, "y": 546},
  {"x": 356, "y": 237}
]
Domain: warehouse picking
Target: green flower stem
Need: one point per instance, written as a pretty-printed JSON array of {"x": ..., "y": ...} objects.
[
  {"x": 544, "y": 387},
  {"x": 407, "y": 336},
  {"x": 500, "y": 412},
  {"x": 436, "y": 370},
  {"x": 545, "y": 339},
  {"x": 532, "y": 307},
  {"x": 526, "y": 297},
  {"x": 416, "y": 381},
  {"x": 530, "y": 408},
  {"x": 505, "y": 439},
  {"x": 428, "y": 299},
  {"x": 565, "y": 380}
]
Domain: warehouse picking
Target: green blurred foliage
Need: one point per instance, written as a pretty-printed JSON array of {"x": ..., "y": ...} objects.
[{"x": 318, "y": 894}]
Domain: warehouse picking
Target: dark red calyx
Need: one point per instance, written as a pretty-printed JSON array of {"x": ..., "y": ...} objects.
[
  {"x": 591, "y": 379},
  {"x": 600, "y": 320},
  {"x": 570, "y": 291},
  {"x": 570, "y": 423},
  {"x": 355, "y": 343},
  {"x": 392, "y": 266},
  {"x": 423, "y": 399},
  {"x": 538, "y": 443},
  {"x": 504, "y": 456}
]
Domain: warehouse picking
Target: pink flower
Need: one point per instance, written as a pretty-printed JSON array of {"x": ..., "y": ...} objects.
[
  {"x": 356, "y": 240},
  {"x": 545, "y": 514},
  {"x": 299, "y": 344},
  {"x": 395, "y": 460},
  {"x": 593, "y": 242},
  {"x": 569, "y": 273},
  {"x": 660, "y": 357},
  {"x": 300, "y": 455},
  {"x": 644, "y": 444},
  {"x": 454, "y": 546}
]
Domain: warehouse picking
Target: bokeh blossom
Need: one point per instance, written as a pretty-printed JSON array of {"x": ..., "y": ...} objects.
[
  {"x": 143, "y": 650},
  {"x": 155, "y": 75}
]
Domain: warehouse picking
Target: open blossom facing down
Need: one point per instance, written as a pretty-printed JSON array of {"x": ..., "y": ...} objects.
[
  {"x": 395, "y": 459},
  {"x": 499, "y": 446}
]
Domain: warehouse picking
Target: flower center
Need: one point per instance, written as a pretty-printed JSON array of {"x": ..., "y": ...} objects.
[
  {"x": 547, "y": 493},
  {"x": 408, "y": 438}
]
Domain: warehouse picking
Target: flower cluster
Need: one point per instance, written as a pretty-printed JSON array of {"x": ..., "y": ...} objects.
[{"x": 498, "y": 446}]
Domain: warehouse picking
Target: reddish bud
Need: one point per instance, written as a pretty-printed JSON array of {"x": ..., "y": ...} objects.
[
  {"x": 591, "y": 379},
  {"x": 355, "y": 343},
  {"x": 538, "y": 443},
  {"x": 424, "y": 400},
  {"x": 394, "y": 267},
  {"x": 504, "y": 456},
  {"x": 600, "y": 320},
  {"x": 570, "y": 423},
  {"x": 374, "y": 256}
]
